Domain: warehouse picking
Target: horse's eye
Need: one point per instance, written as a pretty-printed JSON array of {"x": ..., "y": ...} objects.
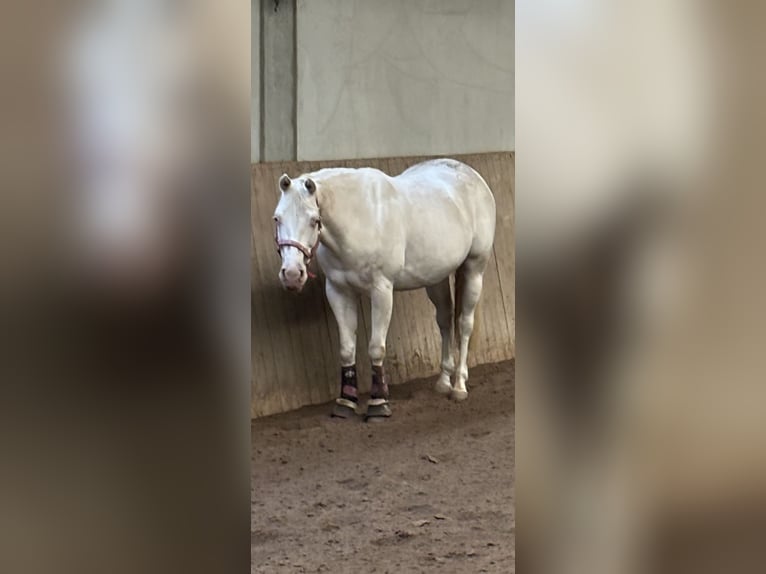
[{"x": 314, "y": 222}]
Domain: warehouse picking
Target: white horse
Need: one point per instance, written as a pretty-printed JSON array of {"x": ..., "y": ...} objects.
[{"x": 374, "y": 234}]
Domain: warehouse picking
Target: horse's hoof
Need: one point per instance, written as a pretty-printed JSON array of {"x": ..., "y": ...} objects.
[
  {"x": 343, "y": 411},
  {"x": 443, "y": 387},
  {"x": 377, "y": 413},
  {"x": 458, "y": 396}
]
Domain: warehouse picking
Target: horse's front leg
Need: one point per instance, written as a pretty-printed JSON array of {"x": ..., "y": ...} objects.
[
  {"x": 382, "y": 302},
  {"x": 343, "y": 303}
]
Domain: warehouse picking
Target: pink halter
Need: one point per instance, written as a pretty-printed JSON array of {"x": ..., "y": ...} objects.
[{"x": 307, "y": 253}]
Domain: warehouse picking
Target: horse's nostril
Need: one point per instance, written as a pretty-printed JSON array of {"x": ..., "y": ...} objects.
[{"x": 302, "y": 273}]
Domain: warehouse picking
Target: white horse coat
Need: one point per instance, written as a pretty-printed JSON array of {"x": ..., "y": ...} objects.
[{"x": 374, "y": 234}]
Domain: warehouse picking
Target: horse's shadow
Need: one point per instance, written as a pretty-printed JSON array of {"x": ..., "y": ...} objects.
[{"x": 292, "y": 308}]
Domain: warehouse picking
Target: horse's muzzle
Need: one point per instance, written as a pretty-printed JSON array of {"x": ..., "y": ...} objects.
[{"x": 293, "y": 278}]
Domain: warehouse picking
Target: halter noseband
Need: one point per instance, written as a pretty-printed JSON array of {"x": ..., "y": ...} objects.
[{"x": 307, "y": 253}]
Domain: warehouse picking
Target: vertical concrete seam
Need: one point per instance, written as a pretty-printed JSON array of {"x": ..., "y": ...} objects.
[
  {"x": 262, "y": 83},
  {"x": 295, "y": 81}
]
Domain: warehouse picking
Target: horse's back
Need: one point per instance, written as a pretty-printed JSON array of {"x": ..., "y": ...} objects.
[
  {"x": 448, "y": 176},
  {"x": 462, "y": 186}
]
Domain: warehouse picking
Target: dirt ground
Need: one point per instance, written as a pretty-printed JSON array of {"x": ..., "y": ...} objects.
[{"x": 429, "y": 490}]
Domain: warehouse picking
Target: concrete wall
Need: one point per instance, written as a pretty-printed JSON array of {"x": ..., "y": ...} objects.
[
  {"x": 278, "y": 83},
  {"x": 404, "y": 77},
  {"x": 255, "y": 80},
  {"x": 364, "y": 78}
]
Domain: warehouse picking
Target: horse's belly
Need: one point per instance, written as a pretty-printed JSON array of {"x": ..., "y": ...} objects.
[{"x": 426, "y": 267}]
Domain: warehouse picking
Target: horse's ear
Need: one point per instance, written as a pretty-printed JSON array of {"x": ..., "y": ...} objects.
[
  {"x": 311, "y": 187},
  {"x": 284, "y": 182}
]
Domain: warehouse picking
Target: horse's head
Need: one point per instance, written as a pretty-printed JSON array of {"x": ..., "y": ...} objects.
[{"x": 298, "y": 226}]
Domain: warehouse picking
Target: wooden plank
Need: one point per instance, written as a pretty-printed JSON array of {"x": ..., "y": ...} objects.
[
  {"x": 499, "y": 334},
  {"x": 330, "y": 325},
  {"x": 274, "y": 336},
  {"x": 419, "y": 316},
  {"x": 420, "y": 322},
  {"x": 328, "y": 385},
  {"x": 482, "y": 344},
  {"x": 505, "y": 245},
  {"x": 309, "y": 325},
  {"x": 398, "y": 339},
  {"x": 364, "y": 318},
  {"x": 398, "y": 345},
  {"x": 264, "y": 374}
]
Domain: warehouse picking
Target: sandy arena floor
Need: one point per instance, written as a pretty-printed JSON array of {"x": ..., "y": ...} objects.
[{"x": 430, "y": 490}]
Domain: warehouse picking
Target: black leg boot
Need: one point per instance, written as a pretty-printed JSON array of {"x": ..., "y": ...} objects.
[
  {"x": 345, "y": 405},
  {"x": 378, "y": 408}
]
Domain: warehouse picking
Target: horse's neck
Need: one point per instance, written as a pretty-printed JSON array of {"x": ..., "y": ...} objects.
[
  {"x": 347, "y": 213},
  {"x": 333, "y": 235}
]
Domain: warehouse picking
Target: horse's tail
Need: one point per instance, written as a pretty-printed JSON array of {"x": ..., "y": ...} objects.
[{"x": 459, "y": 287}]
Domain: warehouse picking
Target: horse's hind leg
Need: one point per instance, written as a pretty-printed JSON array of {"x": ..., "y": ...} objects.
[
  {"x": 471, "y": 277},
  {"x": 441, "y": 296}
]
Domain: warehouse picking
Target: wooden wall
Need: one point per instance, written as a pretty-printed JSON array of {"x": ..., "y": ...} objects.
[{"x": 294, "y": 337}]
